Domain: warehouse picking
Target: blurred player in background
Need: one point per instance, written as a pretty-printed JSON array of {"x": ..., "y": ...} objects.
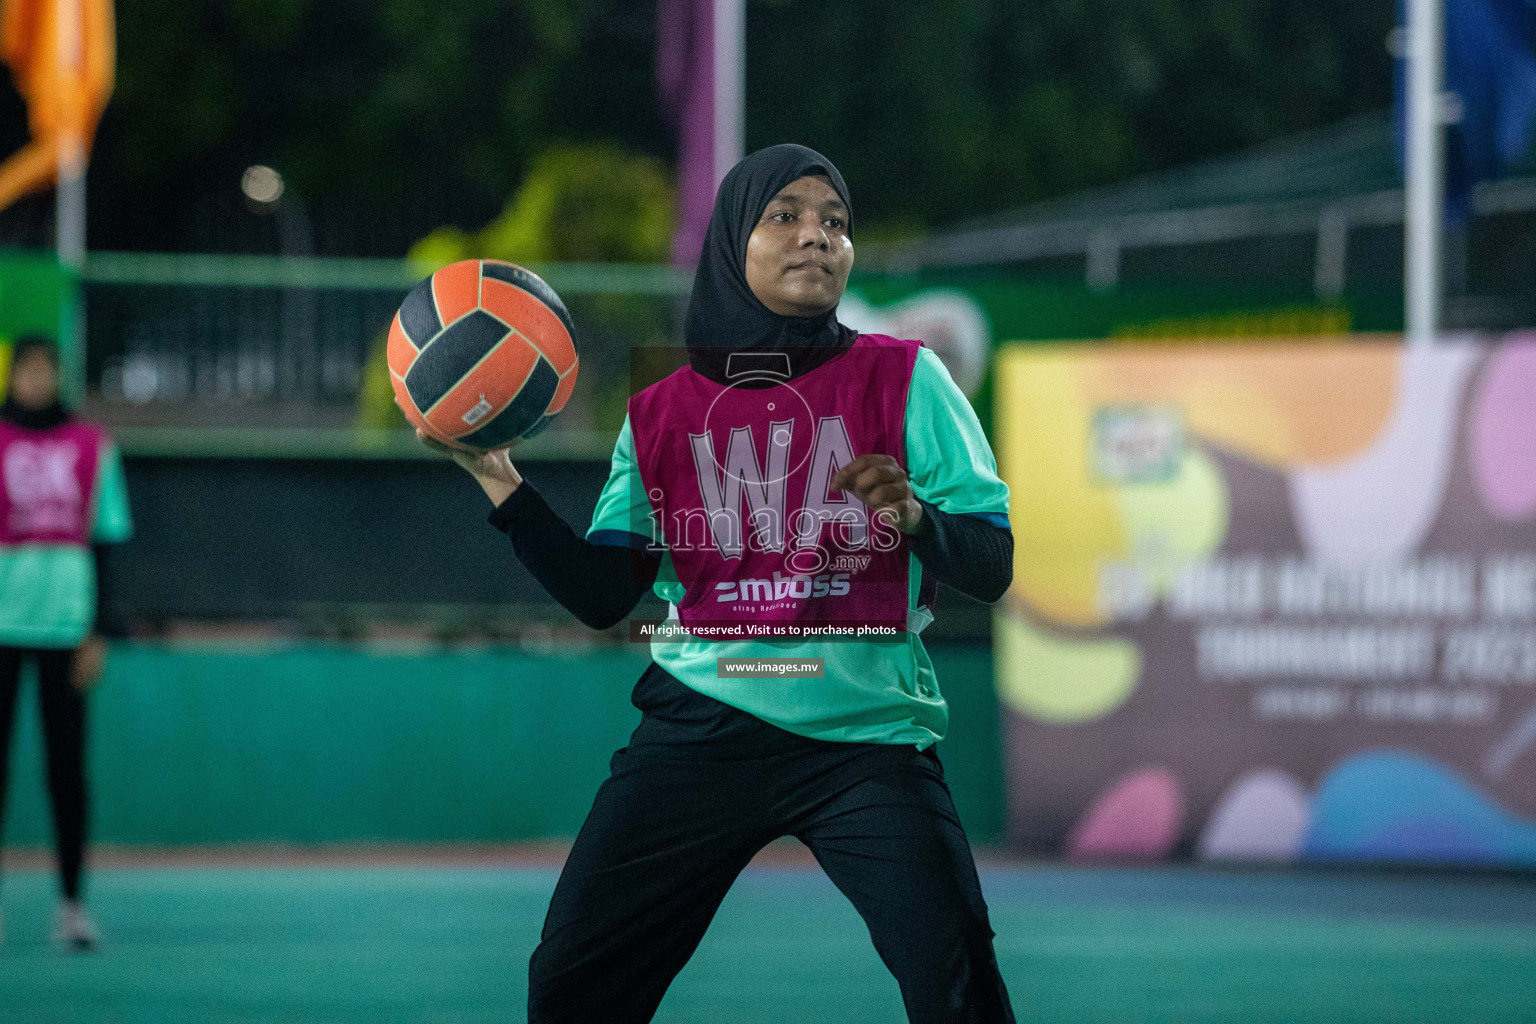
[
  {"x": 720, "y": 767},
  {"x": 61, "y": 491}
]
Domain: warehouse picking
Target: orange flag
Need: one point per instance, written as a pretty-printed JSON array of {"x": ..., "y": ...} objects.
[{"x": 63, "y": 55}]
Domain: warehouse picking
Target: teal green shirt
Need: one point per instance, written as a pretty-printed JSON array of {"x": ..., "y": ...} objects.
[
  {"x": 872, "y": 692},
  {"x": 48, "y": 591}
]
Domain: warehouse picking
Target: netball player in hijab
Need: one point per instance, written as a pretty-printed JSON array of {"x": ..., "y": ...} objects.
[
  {"x": 802, "y": 477},
  {"x": 61, "y": 496}
]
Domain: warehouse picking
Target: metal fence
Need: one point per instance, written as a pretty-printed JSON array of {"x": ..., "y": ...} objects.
[
  {"x": 1337, "y": 243},
  {"x": 294, "y": 342}
]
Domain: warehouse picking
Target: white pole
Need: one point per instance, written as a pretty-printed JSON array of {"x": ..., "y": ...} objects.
[
  {"x": 69, "y": 192},
  {"x": 730, "y": 84},
  {"x": 70, "y": 206},
  {"x": 1425, "y": 218}
]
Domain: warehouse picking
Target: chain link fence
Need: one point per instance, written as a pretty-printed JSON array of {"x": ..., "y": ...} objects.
[{"x": 298, "y": 342}]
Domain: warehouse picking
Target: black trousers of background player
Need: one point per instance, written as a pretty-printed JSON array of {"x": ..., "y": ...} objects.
[
  {"x": 699, "y": 790},
  {"x": 64, "y": 734}
]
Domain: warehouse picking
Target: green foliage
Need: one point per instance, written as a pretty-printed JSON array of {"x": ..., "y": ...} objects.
[
  {"x": 389, "y": 117},
  {"x": 942, "y": 109},
  {"x": 376, "y": 406},
  {"x": 586, "y": 203},
  {"x": 578, "y": 203},
  {"x": 386, "y": 117}
]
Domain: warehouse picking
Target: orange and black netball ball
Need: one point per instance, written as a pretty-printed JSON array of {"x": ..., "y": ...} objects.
[{"x": 482, "y": 354}]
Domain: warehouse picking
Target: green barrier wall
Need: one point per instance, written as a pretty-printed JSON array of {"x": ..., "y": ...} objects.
[{"x": 327, "y": 744}]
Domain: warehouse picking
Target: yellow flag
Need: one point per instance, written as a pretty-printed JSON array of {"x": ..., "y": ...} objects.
[{"x": 63, "y": 55}]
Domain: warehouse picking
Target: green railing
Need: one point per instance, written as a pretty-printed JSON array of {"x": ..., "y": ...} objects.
[
  {"x": 208, "y": 355},
  {"x": 337, "y": 274},
  {"x": 336, "y": 443}
]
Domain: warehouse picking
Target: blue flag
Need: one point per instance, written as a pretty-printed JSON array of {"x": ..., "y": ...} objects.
[{"x": 1491, "y": 66}]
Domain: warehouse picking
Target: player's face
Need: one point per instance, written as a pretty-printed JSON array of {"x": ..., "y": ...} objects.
[
  {"x": 799, "y": 254},
  {"x": 34, "y": 381}
]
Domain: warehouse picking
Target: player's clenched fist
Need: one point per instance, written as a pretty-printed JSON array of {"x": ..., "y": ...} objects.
[{"x": 880, "y": 482}]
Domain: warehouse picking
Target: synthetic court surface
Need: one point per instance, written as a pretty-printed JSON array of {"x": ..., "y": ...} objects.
[{"x": 437, "y": 944}]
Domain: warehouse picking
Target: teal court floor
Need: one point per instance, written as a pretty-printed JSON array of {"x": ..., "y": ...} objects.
[{"x": 424, "y": 944}]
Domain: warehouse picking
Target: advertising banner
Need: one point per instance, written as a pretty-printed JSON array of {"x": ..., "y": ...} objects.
[
  {"x": 37, "y": 296},
  {"x": 1271, "y": 603}
]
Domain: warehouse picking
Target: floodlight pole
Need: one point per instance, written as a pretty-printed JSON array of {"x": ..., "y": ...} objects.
[
  {"x": 1425, "y": 216},
  {"x": 730, "y": 52},
  {"x": 69, "y": 205},
  {"x": 69, "y": 192},
  {"x": 69, "y": 188}
]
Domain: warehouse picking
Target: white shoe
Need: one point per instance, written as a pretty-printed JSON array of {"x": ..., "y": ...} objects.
[{"x": 73, "y": 927}]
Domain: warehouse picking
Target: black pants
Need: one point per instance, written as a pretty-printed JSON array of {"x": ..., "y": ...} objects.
[
  {"x": 64, "y": 733},
  {"x": 698, "y": 791}
]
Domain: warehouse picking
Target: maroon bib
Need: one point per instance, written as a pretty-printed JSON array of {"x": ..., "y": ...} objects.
[
  {"x": 738, "y": 477},
  {"x": 47, "y": 483}
]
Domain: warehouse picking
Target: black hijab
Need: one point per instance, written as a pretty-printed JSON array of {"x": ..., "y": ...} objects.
[
  {"x": 723, "y": 314},
  {"x": 46, "y": 418}
]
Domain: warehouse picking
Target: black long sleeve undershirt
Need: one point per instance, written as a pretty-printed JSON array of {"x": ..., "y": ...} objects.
[
  {"x": 600, "y": 584},
  {"x": 597, "y": 583},
  {"x": 965, "y": 552}
]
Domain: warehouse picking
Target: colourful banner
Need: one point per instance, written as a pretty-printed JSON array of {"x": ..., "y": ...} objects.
[
  {"x": 1271, "y": 603},
  {"x": 961, "y": 313}
]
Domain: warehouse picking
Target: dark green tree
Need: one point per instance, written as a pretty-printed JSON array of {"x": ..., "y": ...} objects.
[
  {"x": 940, "y": 109},
  {"x": 390, "y": 118}
]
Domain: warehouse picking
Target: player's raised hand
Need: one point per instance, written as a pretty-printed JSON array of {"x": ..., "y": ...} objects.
[
  {"x": 492, "y": 470},
  {"x": 880, "y": 482}
]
